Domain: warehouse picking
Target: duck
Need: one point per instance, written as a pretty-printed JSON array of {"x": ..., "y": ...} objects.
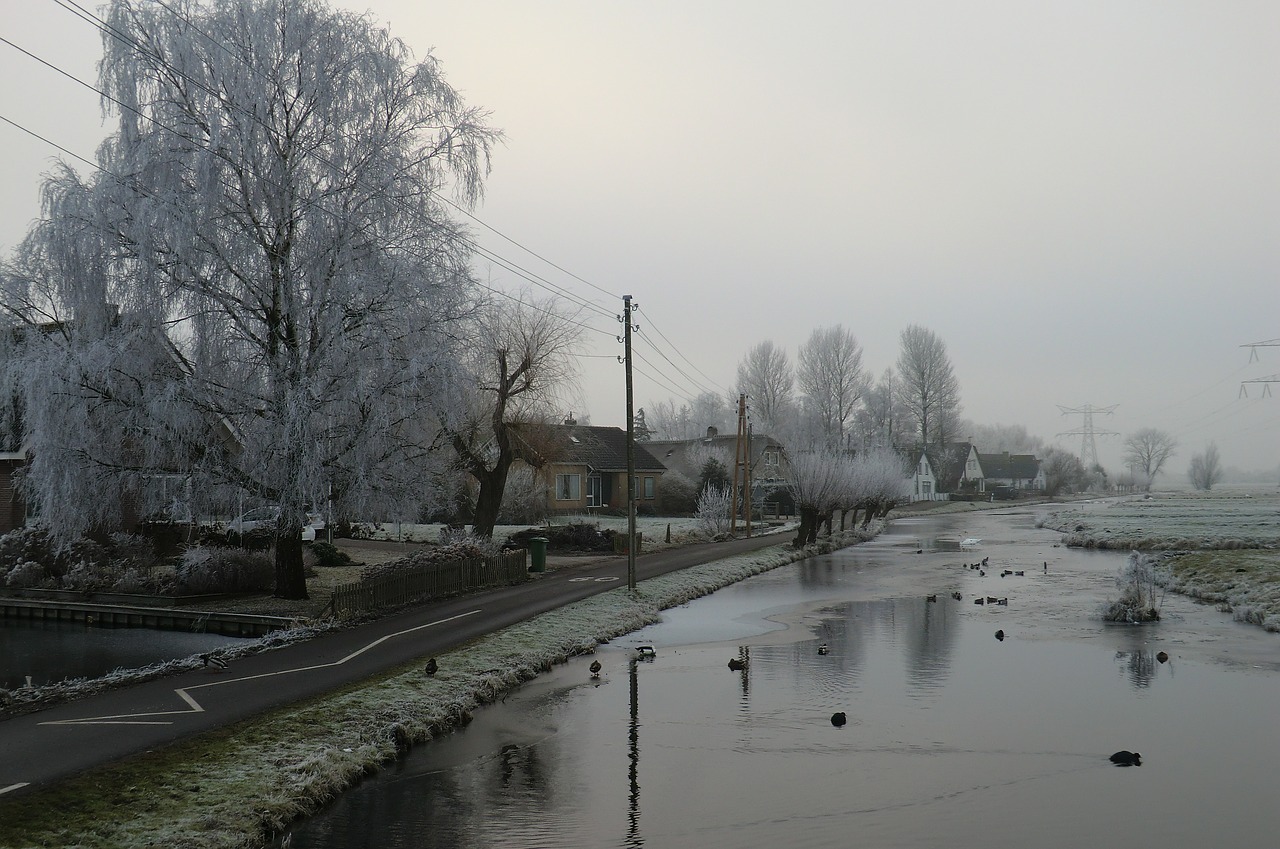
[
  {"x": 1124, "y": 757},
  {"x": 1163, "y": 657},
  {"x": 957, "y": 595},
  {"x": 1020, "y": 573},
  {"x": 1000, "y": 635},
  {"x": 211, "y": 660},
  {"x": 838, "y": 719},
  {"x": 736, "y": 665},
  {"x": 432, "y": 667},
  {"x": 1003, "y": 602},
  {"x": 822, "y": 648},
  {"x": 979, "y": 600},
  {"x": 931, "y": 598},
  {"x": 992, "y": 600},
  {"x": 646, "y": 651},
  {"x": 595, "y": 668}
]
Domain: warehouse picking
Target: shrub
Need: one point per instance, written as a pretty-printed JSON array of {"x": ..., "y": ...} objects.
[
  {"x": 328, "y": 555},
  {"x": 26, "y": 575},
  {"x": 224, "y": 570},
  {"x": 713, "y": 510},
  {"x": 1137, "y": 581},
  {"x": 575, "y": 536}
]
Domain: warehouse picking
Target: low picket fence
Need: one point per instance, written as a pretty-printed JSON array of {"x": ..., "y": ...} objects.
[{"x": 433, "y": 580}]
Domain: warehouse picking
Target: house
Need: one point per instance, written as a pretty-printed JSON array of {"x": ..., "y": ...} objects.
[
  {"x": 585, "y": 467},
  {"x": 924, "y": 482},
  {"x": 957, "y": 468},
  {"x": 766, "y": 457},
  {"x": 1016, "y": 471}
]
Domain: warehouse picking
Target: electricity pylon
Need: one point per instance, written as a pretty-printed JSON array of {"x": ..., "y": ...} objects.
[
  {"x": 1087, "y": 432},
  {"x": 1254, "y": 346}
]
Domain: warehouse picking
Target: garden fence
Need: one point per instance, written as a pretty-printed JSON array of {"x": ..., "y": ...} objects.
[{"x": 432, "y": 580}]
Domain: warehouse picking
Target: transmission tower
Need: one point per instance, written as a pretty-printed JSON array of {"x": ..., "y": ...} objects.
[
  {"x": 1254, "y": 346},
  {"x": 1087, "y": 432}
]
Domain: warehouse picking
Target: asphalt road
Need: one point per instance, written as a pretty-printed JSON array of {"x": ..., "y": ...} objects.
[{"x": 41, "y": 748}]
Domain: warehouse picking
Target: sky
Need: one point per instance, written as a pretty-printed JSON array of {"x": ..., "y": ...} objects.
[{"x": 1082, "y": 200}]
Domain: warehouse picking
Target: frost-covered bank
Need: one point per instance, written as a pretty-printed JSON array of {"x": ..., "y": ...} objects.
[
  {"x": 238, "y": 787},
  {"x": 1224, "y": 546}
]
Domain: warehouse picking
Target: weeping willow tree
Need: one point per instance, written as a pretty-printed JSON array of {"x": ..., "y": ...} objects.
[{"x": 256, "y": 289}]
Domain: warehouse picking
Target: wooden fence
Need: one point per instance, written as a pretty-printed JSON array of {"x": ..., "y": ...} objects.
[{"x": 434, "y": 580}]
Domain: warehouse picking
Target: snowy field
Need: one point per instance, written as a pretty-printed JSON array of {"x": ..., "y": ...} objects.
[{"x": 1229, "y": 518}]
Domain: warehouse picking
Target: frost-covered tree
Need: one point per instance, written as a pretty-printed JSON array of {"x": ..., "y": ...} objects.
[
  {"x": 817, "y": 483},
  {"x": 765, "y": 377},
  {"x": 927, "y": 384},
  {"x": 1206, "y": 468},
  {"x": 1147, "y": 450},
  {"x": 518, "y": 366},
  {"x": 831, "y": 377},
  {"x": 714, "y": 506},
  {"x": 269, "y": 222}
]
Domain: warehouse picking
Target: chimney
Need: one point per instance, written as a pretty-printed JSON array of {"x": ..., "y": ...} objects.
[{"x": 570, "y": 420}]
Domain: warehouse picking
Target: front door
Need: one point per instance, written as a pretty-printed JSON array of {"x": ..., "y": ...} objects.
[{"x": 594, "y": 491}]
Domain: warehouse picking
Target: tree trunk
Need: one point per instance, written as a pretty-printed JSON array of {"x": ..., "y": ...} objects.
[
  {"x": 291, "y": 579},
  {"x": 489, "y": 500},
  {"x": 808, "y": 527}
]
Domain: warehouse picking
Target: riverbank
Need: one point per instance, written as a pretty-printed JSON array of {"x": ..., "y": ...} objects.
[
  {"x": 1223, "y": 546},
  {"x": 242, "y": 786}
]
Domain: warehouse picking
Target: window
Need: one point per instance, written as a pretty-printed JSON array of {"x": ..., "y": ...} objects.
[
  {"x": 568, "y": 487},
  {"x": 644, "y": 485}
]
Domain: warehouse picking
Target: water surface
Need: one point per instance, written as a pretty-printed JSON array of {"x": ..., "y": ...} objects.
[{"x": 953, "y": 739}]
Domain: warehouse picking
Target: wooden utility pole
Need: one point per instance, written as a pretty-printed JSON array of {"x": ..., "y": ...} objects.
[
  {"x": 631, "y": 448},
  {"x": 741, "y": 470}
]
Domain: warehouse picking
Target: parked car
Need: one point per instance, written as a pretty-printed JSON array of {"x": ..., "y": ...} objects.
[{"x": 265, "y": 518}]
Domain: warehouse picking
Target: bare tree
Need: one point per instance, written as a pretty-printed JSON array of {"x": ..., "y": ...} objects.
[
  {"x": 1206, "y": 468},
  {"x": 928, "y": 386},
  {"x": 765, "y": 377},
  {"x": 816, "y": 481},
  {"x": 1147, "y": 451},
  {"x": 831, "y": 377},
  {"x": 883, "y": 421},
  {"x": 519, "y": 366},
  {"x": 1063, "y": 472},
  {"x": 281, "y": 257}
]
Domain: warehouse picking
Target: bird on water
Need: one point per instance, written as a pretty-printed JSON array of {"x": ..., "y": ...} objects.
[
  {"x": 822, "y": 649},
  {"x": 736, "y": 665},
  {"x": 838, "y": 719},
  {"x": 1124, "y": 757},
  {"x": 595, "y": 668}
]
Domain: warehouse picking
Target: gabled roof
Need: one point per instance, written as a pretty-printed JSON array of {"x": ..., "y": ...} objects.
[
  {"x": 948, "y": 463},
  {"x": 1011, "y": 466},
  {"x": 601, "y": 449}
]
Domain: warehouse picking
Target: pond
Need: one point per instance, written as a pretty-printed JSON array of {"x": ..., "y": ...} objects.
[
  {"x": 49, "y": 652},
  {"x": 953, "y": 738}
]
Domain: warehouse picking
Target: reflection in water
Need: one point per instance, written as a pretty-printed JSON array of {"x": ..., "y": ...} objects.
[{"x": 633, "y": 759}]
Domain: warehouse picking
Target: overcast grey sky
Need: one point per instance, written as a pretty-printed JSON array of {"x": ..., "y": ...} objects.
[{"x": 1081, "y": 199}]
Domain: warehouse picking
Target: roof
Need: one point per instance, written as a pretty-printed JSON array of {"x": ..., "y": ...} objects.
[
  {"x": 601, "y": 449},
  {"x": 948, "y": 464},
  {"x": 686, "y": 456},
  {"x": 1011, "y": 466}
]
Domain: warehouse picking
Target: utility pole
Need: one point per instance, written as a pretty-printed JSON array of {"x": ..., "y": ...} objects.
[
  {"x": 1088, "y": 448},
  {"x": 631, "y": 448},
  {"x": 741, "y": 470}
]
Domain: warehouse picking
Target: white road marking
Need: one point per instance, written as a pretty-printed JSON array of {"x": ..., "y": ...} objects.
[
  {"x": 17, "y": 786},
  {"x": 194, "y": 706}
]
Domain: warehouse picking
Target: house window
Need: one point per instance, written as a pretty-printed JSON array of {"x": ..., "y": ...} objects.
[
  {"x": 568, "y": 487},
  {"x": 648, "y": 487}
]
